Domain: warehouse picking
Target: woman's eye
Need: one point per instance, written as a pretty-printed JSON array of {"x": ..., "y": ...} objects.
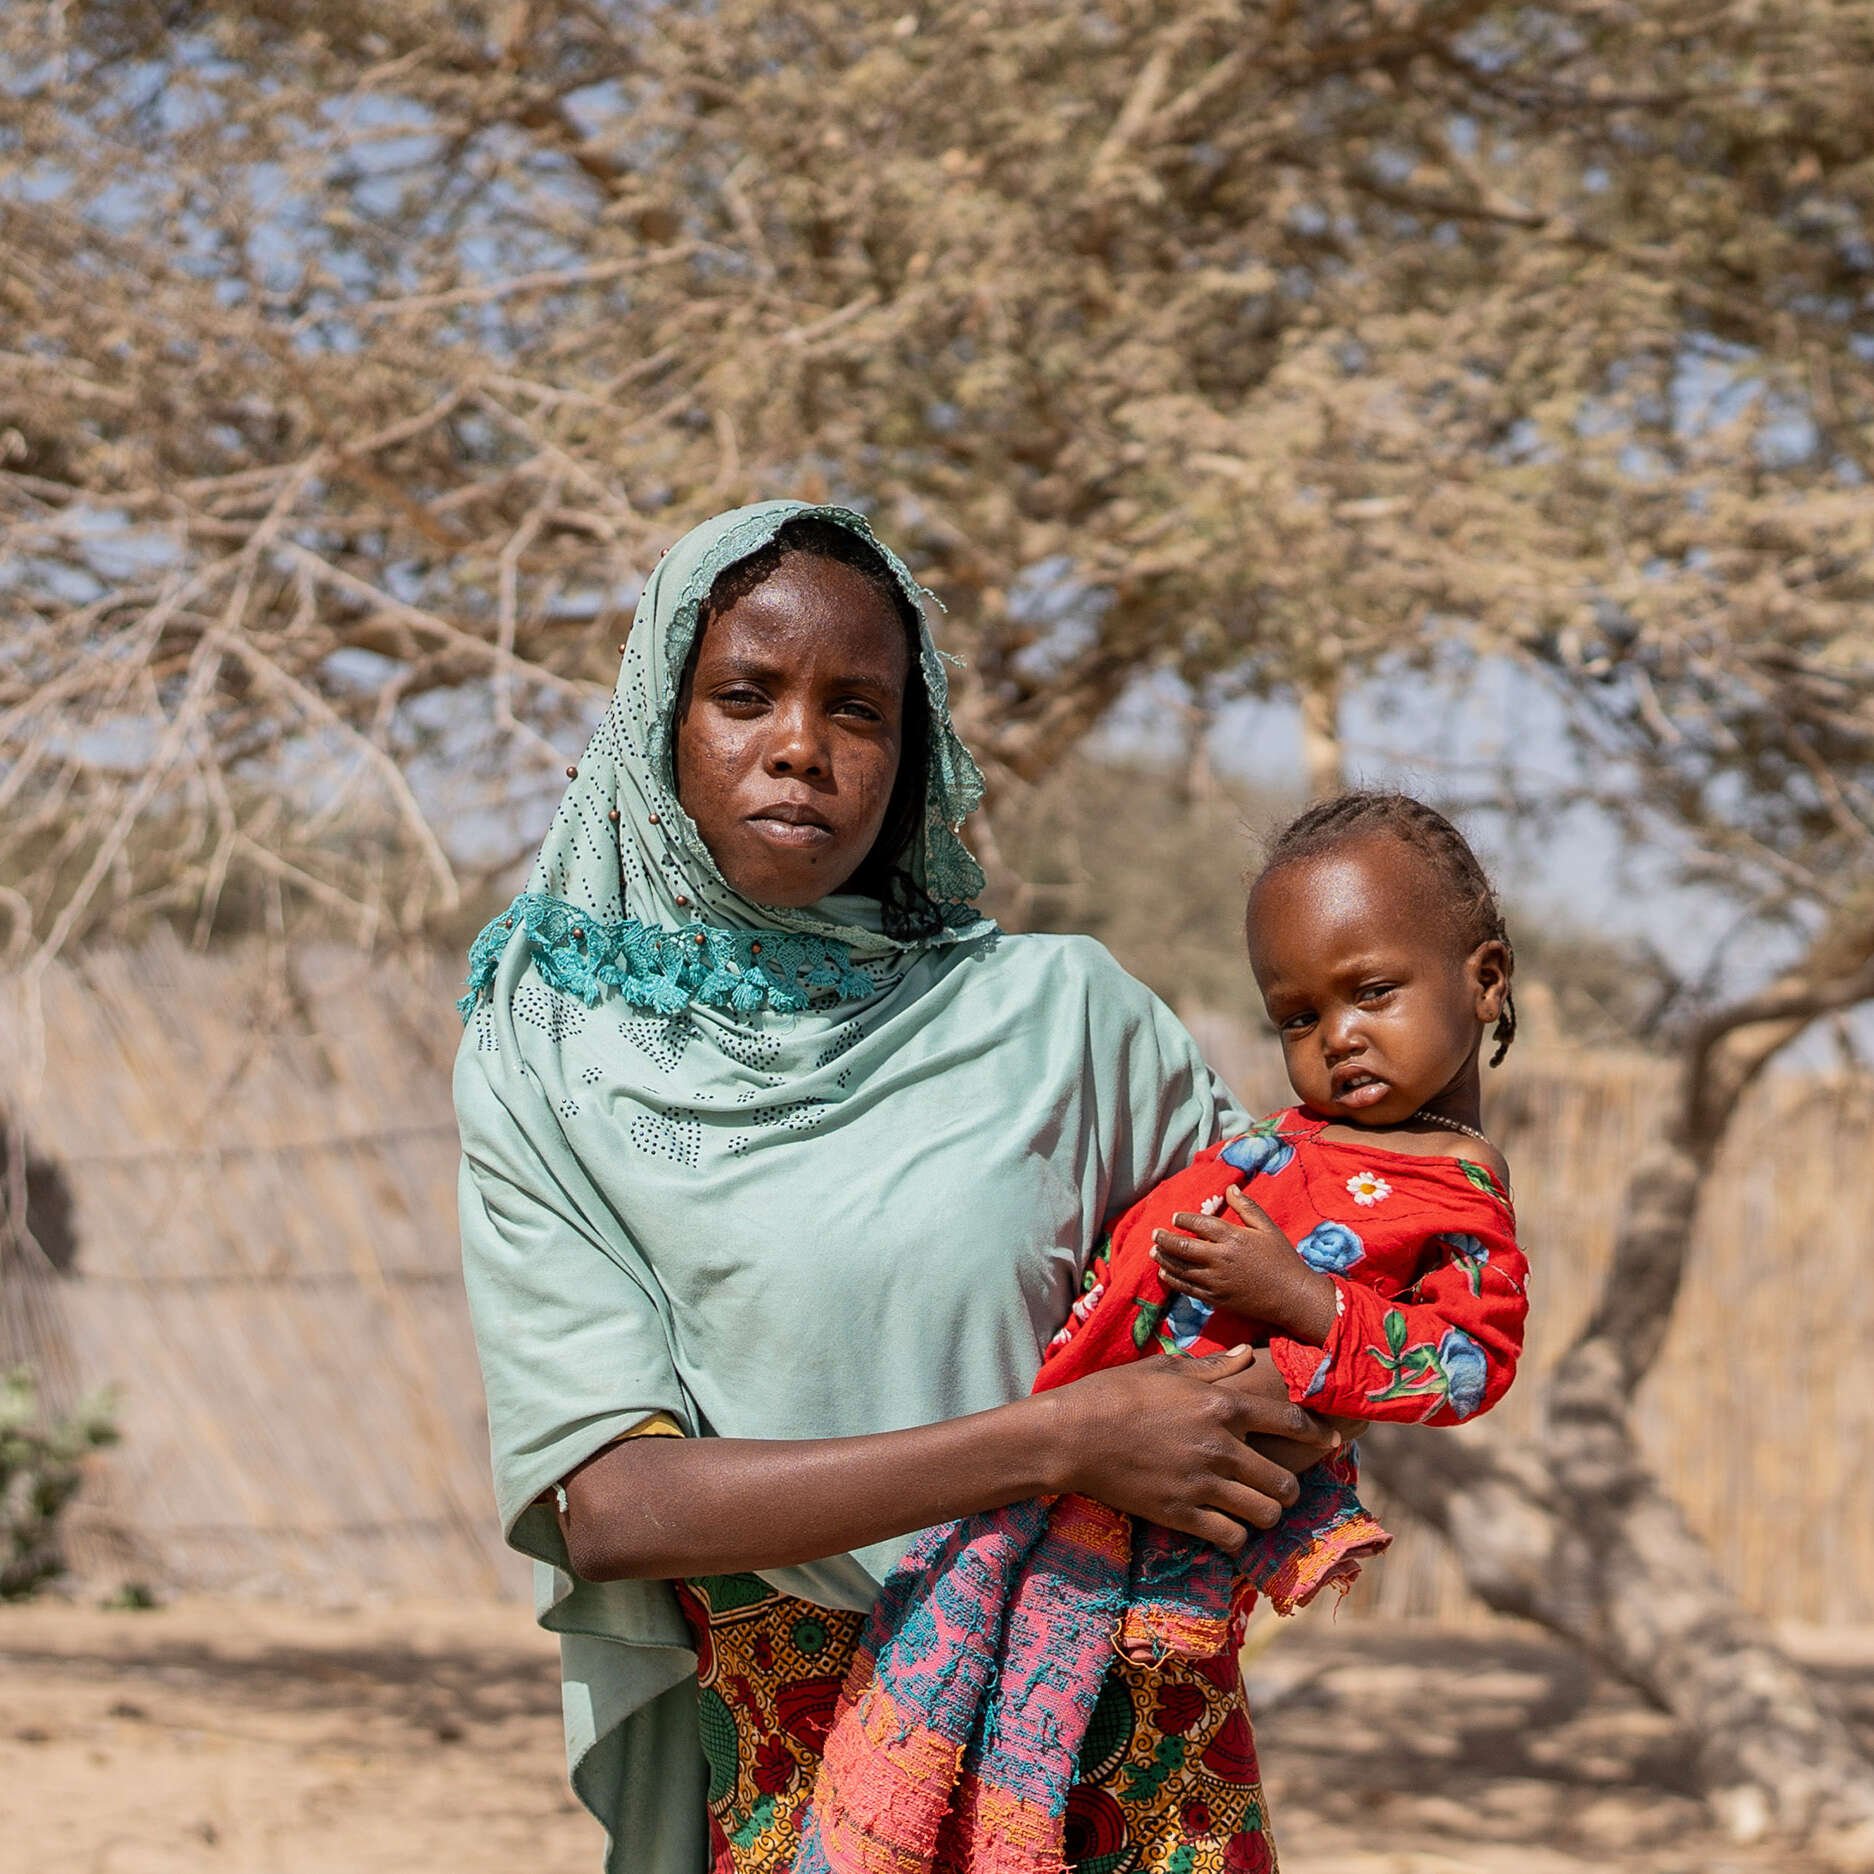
[
  {"x": 864, "y": 711},
  {"x": 742, "y": 696}
]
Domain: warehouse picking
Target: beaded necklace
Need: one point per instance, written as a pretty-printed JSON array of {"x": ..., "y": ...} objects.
[{"x": 1454, "y": 1125}]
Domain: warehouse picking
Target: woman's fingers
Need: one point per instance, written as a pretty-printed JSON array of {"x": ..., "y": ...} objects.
[
  {"x": 1251, "y": 1503},
  {"x": 1256, "y": 1414},
  {"x": 1291, "y": 1456},
  {"x": 1225, "y": 1365},
  {"x": 1222, "y": 1532},
  {"x": 1245, "y": 1468}
]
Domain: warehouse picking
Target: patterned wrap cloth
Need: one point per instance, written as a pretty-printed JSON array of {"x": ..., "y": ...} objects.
[{"x": 1167, "y": 1781}]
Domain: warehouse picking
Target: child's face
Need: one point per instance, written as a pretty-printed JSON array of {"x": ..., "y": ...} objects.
[{"x": 1379, "y": 1004}]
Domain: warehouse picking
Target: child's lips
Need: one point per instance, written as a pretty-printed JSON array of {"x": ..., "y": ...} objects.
[{"x": 1361, "y": 1090}]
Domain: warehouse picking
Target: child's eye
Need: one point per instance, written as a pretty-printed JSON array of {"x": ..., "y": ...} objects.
[
  {"x": 1296, "y": 1024},
  {"x": 1376, "y": 992}
]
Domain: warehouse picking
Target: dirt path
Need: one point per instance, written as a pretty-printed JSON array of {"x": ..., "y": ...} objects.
[{"x": 208, "y": 1737}]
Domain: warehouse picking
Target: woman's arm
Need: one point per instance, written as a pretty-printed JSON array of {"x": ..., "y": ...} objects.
[{"x": 1162, "y": 1439}]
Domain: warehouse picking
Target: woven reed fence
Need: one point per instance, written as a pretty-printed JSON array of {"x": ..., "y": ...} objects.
[
  {"x": 260, "y": 1165},
  {"x": 260, "y": 1169}
]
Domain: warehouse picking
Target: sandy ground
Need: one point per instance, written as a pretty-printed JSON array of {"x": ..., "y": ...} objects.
[{"x": 206, "y": 1737}]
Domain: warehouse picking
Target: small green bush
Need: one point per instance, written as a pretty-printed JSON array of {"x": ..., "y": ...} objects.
[{"x": 41, "y": 1467}]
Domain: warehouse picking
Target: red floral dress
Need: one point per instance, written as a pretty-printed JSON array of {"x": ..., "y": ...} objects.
[{"x": 1432, "y": 1288}]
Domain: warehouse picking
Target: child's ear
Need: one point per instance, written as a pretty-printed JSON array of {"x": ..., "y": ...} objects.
[{"x": 1488, "y": 967}]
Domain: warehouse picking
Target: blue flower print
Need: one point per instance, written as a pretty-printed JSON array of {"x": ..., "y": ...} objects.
[
  {"x": 1331, "y": 1248},
  {"x": 1469, "y": 1253},
  {"x": 1472, "y": 1255},
  {"x": 1266, "y": 1152},
  {"x": 1466, "y": 1371},
  {"x": 1185, "y": 1320}
]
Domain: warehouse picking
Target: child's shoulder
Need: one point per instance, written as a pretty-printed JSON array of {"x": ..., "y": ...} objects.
[
  {"x": 1437, "y": 1143},
  {"x": 1433, "y": 1146}
]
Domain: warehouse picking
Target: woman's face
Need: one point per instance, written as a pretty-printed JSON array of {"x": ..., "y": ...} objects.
[{"x": 789, "y": 728}]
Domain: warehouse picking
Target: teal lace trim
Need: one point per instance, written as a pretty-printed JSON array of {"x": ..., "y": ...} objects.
[{"x": 743, "y": 970}]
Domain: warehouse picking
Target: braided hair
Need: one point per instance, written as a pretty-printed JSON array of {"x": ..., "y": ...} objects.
[{"x": 1367, "y": 813}]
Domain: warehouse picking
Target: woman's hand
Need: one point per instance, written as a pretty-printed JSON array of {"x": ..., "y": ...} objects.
[
  {"x": 1164, "y": 1439},
  {"x": 1265, "y": 1378}
]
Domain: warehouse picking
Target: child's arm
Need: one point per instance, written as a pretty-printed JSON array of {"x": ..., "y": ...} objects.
[{"x": 1442, "y": 1352}]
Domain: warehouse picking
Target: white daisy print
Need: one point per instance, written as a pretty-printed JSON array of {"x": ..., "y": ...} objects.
[
  {"x": 1366, "y": 1188},
  {"x": 1078, "y": 1313}
]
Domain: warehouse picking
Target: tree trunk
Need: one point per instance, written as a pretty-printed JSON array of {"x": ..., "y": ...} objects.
[
  {"x": 1573, "y": 1531},
  {"x": 1322, "y": 755},
  {"x": 32, "y": 1310},
  {"x": 1198, "y": 776}
]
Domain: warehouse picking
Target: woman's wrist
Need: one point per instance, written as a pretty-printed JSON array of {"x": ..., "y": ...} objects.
[{"x": 1043, "y": 1451}]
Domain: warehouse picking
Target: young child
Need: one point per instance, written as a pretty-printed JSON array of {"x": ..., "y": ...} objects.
[
  {"x": 1366, "y": 1236},
  {"x": 1377, "y": 1260}
]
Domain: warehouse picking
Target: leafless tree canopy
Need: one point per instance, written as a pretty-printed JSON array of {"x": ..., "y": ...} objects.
[{"x": 357, "y": 359}]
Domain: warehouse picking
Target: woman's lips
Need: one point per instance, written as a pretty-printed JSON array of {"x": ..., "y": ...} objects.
[
  {"x": 798, "y": 834},
  {"x": 1363, "y": 1093}
]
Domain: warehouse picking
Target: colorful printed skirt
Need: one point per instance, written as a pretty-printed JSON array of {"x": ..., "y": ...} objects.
[{"x": 1167, "y": 1780}]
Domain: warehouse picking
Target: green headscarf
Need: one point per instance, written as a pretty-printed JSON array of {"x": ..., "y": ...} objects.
[
  {"x": 624, "y": 887},
  {"x": 774, "y": 1173}
]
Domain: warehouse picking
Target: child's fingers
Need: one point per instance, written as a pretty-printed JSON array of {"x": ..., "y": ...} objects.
[
  {"x": 1183, "y": 1248},
  {"x": 1195, "y": 1223},
  {"x": 1179, "y": 1269},
  {"x": 1188, "y": 1282},
  {"x": 1174, "y": 1254},
  {"x": 1248, "y": 1209}
]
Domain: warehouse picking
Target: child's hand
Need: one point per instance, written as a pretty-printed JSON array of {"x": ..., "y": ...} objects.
[
  {"x": 1245, "y": 1264},
  {"x": 1231, "y": 1262}
]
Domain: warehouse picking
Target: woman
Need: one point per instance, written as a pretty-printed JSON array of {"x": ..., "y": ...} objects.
[{"x": 772, "y": 1141}]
